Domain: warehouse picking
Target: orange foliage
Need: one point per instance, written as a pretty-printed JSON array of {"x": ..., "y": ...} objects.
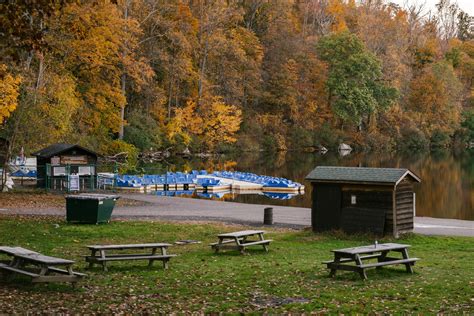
[
  {"x": 337, "y": 8},
  {"x": 9, "y": 86},
  {"x": 212, "y": 121}
]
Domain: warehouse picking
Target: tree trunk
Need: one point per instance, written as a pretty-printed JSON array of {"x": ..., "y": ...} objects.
[
  {"x": 122, "y": 109},
  {"x": 202, "y": 70},
  {"x": 124, "y": 80},
  {"x": 170, "y": 89}
]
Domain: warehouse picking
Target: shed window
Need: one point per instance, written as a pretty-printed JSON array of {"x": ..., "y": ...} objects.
[{"x": 353, "y": 199}]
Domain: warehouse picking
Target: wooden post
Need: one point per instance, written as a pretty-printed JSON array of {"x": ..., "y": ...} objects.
[
  {"x": 394, "y": 210},
  {"x": 414, "y": 204}
]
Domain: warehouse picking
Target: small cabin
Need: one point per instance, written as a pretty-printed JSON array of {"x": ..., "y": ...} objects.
[
  {"x": 57, "y": 162},
  {"x": 374, "y": 200}
]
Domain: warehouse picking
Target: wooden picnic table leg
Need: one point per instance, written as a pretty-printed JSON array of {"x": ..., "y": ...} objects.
[
  {"x": 69, "y": 269},
  {"x": 337, "y": 260},
  {"x": 16, "y": 262},
  {"x": 165, "y": 260},
  {"x": 71, "y": 274},
  {"x": 265, "y": 246},
  {"x": 150, "y": 262},
  {"x": 381, "y": 258},
  {"x": 44, "y": 270},
  {"x": 218, "y": 245},
  {"x": 91, "y": 263},
  {"x": 408, "y": 266},
  {"x": 104, "y": 262},
  {"x": 241, "y": 246},
  {"x": 361, "y": 270}
]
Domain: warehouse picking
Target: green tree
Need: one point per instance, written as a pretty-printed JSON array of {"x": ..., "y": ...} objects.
[{"x": 354, "y": 78}]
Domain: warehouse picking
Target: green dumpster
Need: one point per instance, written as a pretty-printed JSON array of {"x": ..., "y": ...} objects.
[{"x": 89, "y": 208}]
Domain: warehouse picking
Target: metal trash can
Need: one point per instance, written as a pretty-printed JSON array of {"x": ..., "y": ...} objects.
[{"x": 89, "y": 208}]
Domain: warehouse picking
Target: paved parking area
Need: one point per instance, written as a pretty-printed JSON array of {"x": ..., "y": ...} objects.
[{"x": 172, "y": 208}]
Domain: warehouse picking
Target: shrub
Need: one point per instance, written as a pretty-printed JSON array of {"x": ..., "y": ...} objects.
[
  {"x": 376, "y": 141},
  {"x": 274, "y": 142},
  {"x": 412, "y": 138},
  {"x": 143, "y": 132},
  {"x": 440, "y": 139},
  {"x": 328, "y": 137},
  {"x": 300, "y": 138},
  {"x": 119, "y": 146},
  {"x": 468, "y": 124}
]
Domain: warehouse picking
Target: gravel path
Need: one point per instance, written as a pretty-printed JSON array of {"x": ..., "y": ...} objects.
[{"x": 172, "y": 208}]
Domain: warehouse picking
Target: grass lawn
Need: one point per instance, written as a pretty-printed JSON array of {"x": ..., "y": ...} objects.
[{"x": 290, "y": 278}]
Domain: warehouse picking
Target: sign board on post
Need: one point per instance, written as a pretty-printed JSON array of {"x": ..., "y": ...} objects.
[
  {"x": 73, "y": 182},
  {"x": 73, "y": 160}
]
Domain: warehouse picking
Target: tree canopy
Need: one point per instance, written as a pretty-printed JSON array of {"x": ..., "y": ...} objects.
[{"x": 283, "y": 75}]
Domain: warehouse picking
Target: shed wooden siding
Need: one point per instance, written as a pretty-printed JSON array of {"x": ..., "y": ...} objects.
[
  {"x": 327, "y": 201},
  {"x": 376, "y": 199},
  {"x": 404, "y": 206}
]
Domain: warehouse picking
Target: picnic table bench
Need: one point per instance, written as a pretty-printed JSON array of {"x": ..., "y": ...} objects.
[
  {"x": 39, "y": 267},
  {"x": 239, "y": 240},
  {"x": 379, "y": 252},
  {"x": 100, "y": 255}
]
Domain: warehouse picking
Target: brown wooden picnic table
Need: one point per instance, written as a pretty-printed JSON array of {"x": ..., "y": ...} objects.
[
  {"x": 377, "y": 251},
  {"x": 104, "y": 254},
  {"x": 240, "y": 240},
  {"x": 39, "y": 267}
]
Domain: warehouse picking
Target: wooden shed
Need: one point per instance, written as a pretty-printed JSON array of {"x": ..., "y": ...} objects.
[
  {"x": 376, "y": 200},
  {"x": 56, "y": 162}
]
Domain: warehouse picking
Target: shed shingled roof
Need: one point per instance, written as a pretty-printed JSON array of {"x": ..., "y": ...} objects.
[
  {"x": 360, "y": 175},
  {"x": 56, "y": 149}
]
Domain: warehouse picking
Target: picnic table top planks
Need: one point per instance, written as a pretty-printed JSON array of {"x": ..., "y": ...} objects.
[
  {"x": 128, "y": 246},
  {"x": 16, "y": 251},
  {"x": 371, "y": 248},
  {"x": 242, "y": 233},
  {"x": 42, "y": 259},
  {"x": 33, "y": 256}
]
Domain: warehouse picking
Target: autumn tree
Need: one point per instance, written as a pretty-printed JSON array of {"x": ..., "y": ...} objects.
[
  {"x": 213, "y": 122},
  {"x": 433, "y": 102},
  {"x": 354, "y": 78},
  {"x": 9, "y": 91},
  {"x": 169, "y": 40},
  {"x": 90, "y": 39},
  {"x": 383, "y": 28}
]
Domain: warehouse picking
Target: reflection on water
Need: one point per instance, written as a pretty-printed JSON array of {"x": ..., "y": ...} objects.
[
  {"x": 446, "y": 190},
  {"x": 225, "y": 195}
]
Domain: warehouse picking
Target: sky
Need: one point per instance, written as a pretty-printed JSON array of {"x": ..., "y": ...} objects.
[{"x": 465, "y": 5}]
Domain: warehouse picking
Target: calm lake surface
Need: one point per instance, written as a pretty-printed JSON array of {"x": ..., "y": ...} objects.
[{"x": 446, "y": 190}]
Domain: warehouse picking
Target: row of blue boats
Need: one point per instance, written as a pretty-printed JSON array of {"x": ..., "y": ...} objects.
[
  {"x": 20, "y": 173},
  {"x": 204, "y": 179}
]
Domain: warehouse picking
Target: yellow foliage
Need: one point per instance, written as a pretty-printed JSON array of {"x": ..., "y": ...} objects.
[
  {"x": 9, "y": 86},
  {"x": 337, "y": 9},
  {"x": 213, "y": 121}
]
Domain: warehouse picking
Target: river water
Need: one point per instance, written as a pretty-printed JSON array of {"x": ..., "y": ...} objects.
[{"x": 446, "y": 190}]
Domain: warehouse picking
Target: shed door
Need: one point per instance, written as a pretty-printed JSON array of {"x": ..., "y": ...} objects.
[{"x": 326, "y": 210}]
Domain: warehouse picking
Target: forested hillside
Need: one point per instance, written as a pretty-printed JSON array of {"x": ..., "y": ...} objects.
[{"x": 138, "y": 75}]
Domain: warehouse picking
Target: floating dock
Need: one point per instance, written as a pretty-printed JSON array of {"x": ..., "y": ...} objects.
[{"x": 202, "y": 181}]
